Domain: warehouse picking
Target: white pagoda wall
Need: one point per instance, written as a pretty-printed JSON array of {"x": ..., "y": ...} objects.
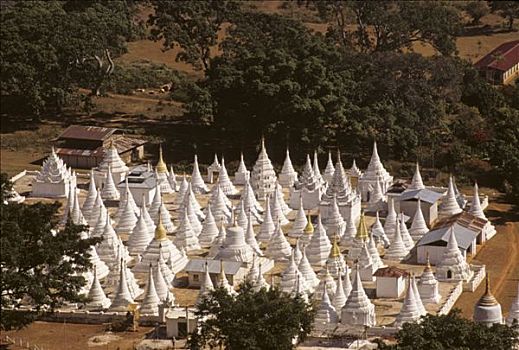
[{"x": 50, "y": 190}]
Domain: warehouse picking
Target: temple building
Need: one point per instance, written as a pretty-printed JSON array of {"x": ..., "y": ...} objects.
[
  {"x": 373, "y": 174},
  {"x": 54, "y": 179},
  {"x": 307, "y": 191},
  {"x": 263, "y": 176},
  {"x": 452, "y": 264},
  {"x": 390, "y": 282}
]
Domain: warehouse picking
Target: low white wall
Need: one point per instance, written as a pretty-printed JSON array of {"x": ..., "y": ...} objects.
[
  {"x": 451, "y": 299},
  {"x": 474, "y": 282}
]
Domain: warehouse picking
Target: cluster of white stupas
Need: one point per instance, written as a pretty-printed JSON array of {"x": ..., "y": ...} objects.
[{"x": 247, "y": 220}]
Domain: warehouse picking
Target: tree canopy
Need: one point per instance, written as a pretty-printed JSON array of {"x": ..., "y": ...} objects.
[
  {"x": 41, "y": 263},
  {"x": 251, "y": 320},
  {"x": 452, "y": 332}
]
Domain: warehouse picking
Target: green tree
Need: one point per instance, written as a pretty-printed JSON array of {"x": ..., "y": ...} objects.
[
  {"x": 251, "y": 320},
  {"x": 509, "y": 10},
  {"x": 50, "y": 48},
  {"x": 192, "y": 25},
  {"x": 41, "y": 264},
  {"x": 452, "y": 332},
  {"x": 477, "y": 10}
]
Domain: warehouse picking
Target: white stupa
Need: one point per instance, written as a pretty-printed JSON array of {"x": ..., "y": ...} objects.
[
  {"x": 127, "y": 219},
  {"x": 339, "y": 298},
  {"x": 487, "y": 310},
  {"x": 126, "y": 195},
  {"x": 76, "y": 214},
  {"x": 416, "y": 182},
  {"x": 308, "y": 272},
  {"x": 185, "y": 236},
  {"x": 346, "y": 282},
  {"x": 326, "y": 313},
  {"x": 308, "y": 190},
  {"x": 365, "y": 264},
  {"x": 223, "y": 282},
  {"x": 419, "y": 302},
  {"x": 308, "y": 232},
  {"x": 197, "y": 182},
  {"x": 162, "y": 175},
  {"x": 335, "y": 262},
  {"x": 97, "y": 299},
  {"x": 410, "y": 311},
  {"x": 390, "y": 222},
  {"x": 378, "y": 232},
  {"x": 288, "y": 175},
  {"x": 209, "y": 229},
  {"x": 155, "y": 204},
  {"x": 53, "y": 180},
  {"x": 250, "y": 237},
  {"x": 69, "y": 204},
  {"x": 161, "y": 284},
  {"x": 317, "y": 171},
  {"x": 150, "y": 302},
  {"x": 276, "y": 209},
  {"x": 188, "y": 209},
  {"x": 123, "y": 297},
  {"x": 334, "y": 222},
  {"x": 329, "y": 170},
  {"x": 90, "y": 199},
  {"x": 513, "y": 314},
  {"x": 260, "y": 281},
  {"x": 172, "y": 179},
  {"x": 360, "y": 239},
  {"x": 299, "y": 224},
  {"x": 234, "y": 247},
  {"x": 167, "y": 273},
  {"x": 165, "y": 216},
  {"x": 290, "y": 276},
  {"x": 99, "y": 265},
  {"x": 349, "y": 234},
  {"x": 112, "y": 160},
  {"x": 373, "y": 174},
  {"x": 419, "y": 226},
  {"x": 373, "y": 252},
  {"x": 241, "y": 175},
  {"x": 278, "y": 248},
  {"x": 214, "y": 167},
  {"x": 358, "y": 310},
  {"x": 139, "y": 237},
  {"x": 206, "y": 286},
  {"x": 219, "y": 206},
  {"x": 340, "y": 185},
  {"x": 428, "y": 286},
  {"x": 263, "y": 176},
  {"x": 97, "y": 229},
  {"x": 161, "y": 244},
  {"x": 218, "y": 242},
  {"x": 326, "y": 282},
  {"x": 109, "y": 190},
  {"x": 452, "y": 265},
  {"x": 449, "y": 205},
  {"x": 281, "y": 199},
  {"x": 475, "y": 208},
  {"x": 225, "y": 182},
  {"x": 354, "y": 174},
  {"x": 267, "y": 226},
  {"x": 242, "y": 218},
  {"x": 397, "y": 250},
  {"x": 404, "y": 232},
  {"x": 182, "y": 190},
  {"x": 250, "y": 203},
  {"x": 319, "y": 247}
]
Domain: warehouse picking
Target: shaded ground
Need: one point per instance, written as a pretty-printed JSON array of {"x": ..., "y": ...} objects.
[{"x": 501, "y": 256}]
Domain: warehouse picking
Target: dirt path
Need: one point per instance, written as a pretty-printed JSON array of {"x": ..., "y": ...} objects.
[{"x": 501, "y": 257}]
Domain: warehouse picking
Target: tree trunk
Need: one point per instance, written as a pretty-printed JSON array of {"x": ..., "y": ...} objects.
[{"x": 510, "y": 23}]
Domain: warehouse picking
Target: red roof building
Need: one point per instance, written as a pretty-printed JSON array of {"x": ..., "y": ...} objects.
[{"x": 501, "y": 65}]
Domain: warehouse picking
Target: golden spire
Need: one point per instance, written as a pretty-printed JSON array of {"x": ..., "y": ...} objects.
[
  {"x": 309, "y": 228},
  {"x": 427, "y": 264},
  {"x": 335, "y": 252},
  {"x": 161, "y": 166},
  {"x": 487, "y": 299},
  {"x": 222, "y": 272},
  {"x": 362, "y": 230},
  {"x": 160, "y": 231}
]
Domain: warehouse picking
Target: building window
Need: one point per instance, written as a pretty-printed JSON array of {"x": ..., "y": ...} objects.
[{"x": 196, "y": 278}]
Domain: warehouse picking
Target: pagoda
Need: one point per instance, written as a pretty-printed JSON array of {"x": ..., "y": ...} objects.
[
  {"x": 112, "y": 160},
  {"x": 172, "y": 179},
  {"x": 355, "y": 174},
  {"x": 397, "y": 250},
  {"x": 242, "y": 175},
  {"x": 308, "y": 272},
  {"x": 449, "y": 205},
  {"x": 90, "y": 199},
  {"x": 123, "y": 297},
  {"x": 207, "y": 285},
  {"x": 165, "y": 216},
  {"x": 452, "y": 265},
  {"x": 250, "y": 203},
  {"x": 335, "y": 262},
  {"x": 390, "y": 222},
  {"x": 127, "y": 218},
  {"x": 416, "y": 182},
  {"x": 234, "y": 247},
  {"x": 197, "y": 182},
  {"x": 307, "y": 190},
  {"x": 290, "y": 276},
  {"x": 487, "y": 310},
  {"x": 139, "y": 237},
  {"x": 109, "y": 190},
  {"x": 299, "y": 224},
  {"x": 334, "y": 222},
  {"x": 288, "y": 175},
  {"x": 329, "y": 170},
  {"x": 218, "y": 242},
  {"x": 419, "y": 226},
  {"x": 250, "y": 237},
  {"x": 373, "y": 174},
  {"x": 346, "y": 282},
  {"x": 260, "y": 281},
  {"x": 182, "y": 190},
  {"x": 96, "y": 296},
  {"x": 406, "y": 237},
  {"x": 278, "y": 248},
  {"x": 209, "y": 229},
  {"x": 223, "y": 282},
  {"x": 161, "y": 244},
  {"x": 276, "y": 209},
  {"x": 263, "y": 176},
  {"x": 410, "y": 311},
  {"x": 155, "y": 204},
  {"x": 185, "y": 236},
  {"x": 267, "y": 226},
  {"x": 319, "y": 247},
  {"x": 360, "y": 239},
  {"x": 326, "y": 313},
  {"x": 326, "y": 282},
  {"x": 215, "y": 167},
  {"x": 339, "y": 297},
  {"x": 150, "y": 302},
  {"x": 513, "y": 314},
  {"x": 428, "y": 286},
  {"x": 350, "y": 232},
  {"x": 53, "y": 180},
  {"x": 219, "y": 204},
  {"x": 308, "y": 232},
  {"x": 358, "y": 310},
  {"x": 317, "y": 171},
  {"x": 365, "y": 264},
  {"x": 162, "y": 175},
  {"x": 241, "y": 216},
  {"x": 225, "y": 182},
  {"x": 378, "y": 232}
]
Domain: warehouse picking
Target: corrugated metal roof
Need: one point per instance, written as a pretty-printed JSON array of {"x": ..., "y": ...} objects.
[
  {"x": 464, "y": 236},
  {"x": 465, "y": 219},
  {"x": 425, "y": 195},
  {"x": 81, "y": 132},
  {"x": 198, "y": 265},
  {"x": 122, "y": 143},
  {"x": 502, "y": 58},
  {"x": 390, "y": 271}
]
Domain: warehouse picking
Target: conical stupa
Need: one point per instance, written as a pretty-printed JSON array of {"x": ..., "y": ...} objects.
[
  {"x": 207, "y": 285},
  {"x": 335, "y": 262},
  {"x": 416, "y": 182},
  {"x": 90, "y": 199},
  {"x": 290, "y": 275},
  {"x": 172, "y": 179},
  {"x": 267, "y": 226},
  {"x": 122, "y": 298},
  {"x": 318, "y": 249},
  {"x": 127, "y": 219},
  {"x": 410, "y": 312},
  {"x": 225, "y": 182},
  {"x": 109, "y": 191},
  {"x": 150, "y": 302},
  {"x": 397, "y": 250},
  {"x": 358, "y": 310},
  {"x": 487, "y": 310},
  {"x": 346, "y": 282},
  {"x": 209, "y": 229},
  {"x": 308, "y": 272},
  {"x": 449, "y": 205},
  {"x": 288, "y": 175},
  {"x": 299, "y": 224},
  {"x": 234, "y": 247},
  {"x": 308, "y": 232},
  {"x": 339, "y": 298},
  {"x": 419, "y": 226},
  {"x": 406, "y": 237},
  {"x": 241, "y": 175},
  {"x": 223, "y": 282},
  {"x": 197, "y": 182},
  {"x": 390, "y": 222},
  {"x": 475, "y": 208},
  {"x": 378, "y": 232},
  {"x": 326, "y": 282},
  {"x": 112, "y": 160},
  {"x": 185, "y": 236},
  {"x": 162, "y": 175},
  {"x": 276, "y": 209},
  {"x": 428, "y": 286},
  {"x": 329, "y": 170},
  {"x": 326, "y": 313},
  {"x": 260, "y": 281},
  {"x": 513, "y": 314},
  {"x": 139, "y": 237},
  {"x": 182, "y": 189},
  {"x": 250, "y": 237},
  {"x": 278, "y": 248},
  {"x": 452, "y": 265},
  {"x": 155, "y": 204},
  {"x": 373, "y": 174},
  {"x": 97, "y": 299},
  {"x": 263, "y": 176}
]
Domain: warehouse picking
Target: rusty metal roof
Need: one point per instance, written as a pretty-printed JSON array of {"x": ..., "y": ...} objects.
[
  {"x": 502, "y": 58},
  {"x": 122, "y": 143},
  {"x": 81, "y": 132},
  {"x": 391, "y": 271}
]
